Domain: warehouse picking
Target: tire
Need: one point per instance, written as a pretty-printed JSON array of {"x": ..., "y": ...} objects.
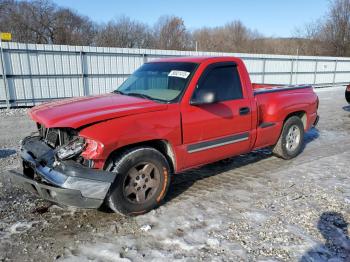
[
  {"x": 347, "y": 96},
  {"x": 291, "y": 140},
  {"x": 142, "y": 181}
]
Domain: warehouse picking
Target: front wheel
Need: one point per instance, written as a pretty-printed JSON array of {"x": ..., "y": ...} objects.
[
  {"x": 141, "y": 183},
  {"x": 291, "y": 141}
]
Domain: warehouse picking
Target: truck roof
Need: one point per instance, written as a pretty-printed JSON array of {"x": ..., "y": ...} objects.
[{"x": 196, "y": 59}]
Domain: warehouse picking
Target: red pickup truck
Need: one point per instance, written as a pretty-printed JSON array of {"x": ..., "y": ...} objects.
[{"x": 170, "y": 115}]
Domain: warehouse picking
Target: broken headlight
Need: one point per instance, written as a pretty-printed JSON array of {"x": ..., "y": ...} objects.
[
  {"x": 93, "y": 149},
  {"x": 71, "y": 149}
]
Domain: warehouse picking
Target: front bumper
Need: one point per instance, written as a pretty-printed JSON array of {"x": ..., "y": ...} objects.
[{"x": 64, "y": 182}]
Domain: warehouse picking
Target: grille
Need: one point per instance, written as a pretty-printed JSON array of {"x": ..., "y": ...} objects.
[
  {"x": 56, "y": 136},
  {"x": 52, "y": 137},
  {"x": 42, "y": 130}
]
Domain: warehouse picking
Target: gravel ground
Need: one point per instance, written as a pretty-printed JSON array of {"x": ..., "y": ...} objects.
[{"x": 254, "y": 207}]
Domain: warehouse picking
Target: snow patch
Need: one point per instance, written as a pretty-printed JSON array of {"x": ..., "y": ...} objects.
[
  {"x": 330, "y": 88},
  {"x": 99, "y": 252},
  {"x": 20, "y": 227},
  {"x": 256, "y": 217},
  {"x": 16, "y": 228},
  {"x": 145, "y": 228},
  {"x": 213, "y": 242}
]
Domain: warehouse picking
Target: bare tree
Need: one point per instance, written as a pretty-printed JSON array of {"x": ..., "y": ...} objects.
[
  {"x": 237, "y": 36},
  {"x": 232, "y": 37},
  {"x": 171, "y": 33},
  {"x": 71, "y": 28},
  {"x": 124, "y": 32},
  {"x": 28, "y": 21},
  {"x": 336, "y": 29},
  {"x": 329, "y": 35},
  {"x": 43, "y": 22},
  {"x": 204, "y": 38}
]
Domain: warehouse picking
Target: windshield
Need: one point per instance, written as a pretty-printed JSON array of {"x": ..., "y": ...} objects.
[{"x": 162, "y": 81}]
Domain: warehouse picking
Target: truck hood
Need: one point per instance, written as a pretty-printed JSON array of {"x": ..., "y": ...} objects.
[{"x": 77, "y": 112}]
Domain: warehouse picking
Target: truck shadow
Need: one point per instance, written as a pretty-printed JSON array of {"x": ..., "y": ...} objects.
[
  {"x": 346, "y": 108},
  {"x": 310, "y": 136},
  {"x": 4, "y": 153},
  {"x": 334, "y": 229},
  {"x": 184, "y": 181}
]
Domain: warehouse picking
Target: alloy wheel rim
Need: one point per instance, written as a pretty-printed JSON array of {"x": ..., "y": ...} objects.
[
  {"x": 141, "y": 183},
  {"x": 293, "y": 138}
]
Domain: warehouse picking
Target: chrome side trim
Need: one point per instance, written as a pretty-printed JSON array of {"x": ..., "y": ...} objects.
[
  {"x": 266, "y": 124},
  {"x": 217, "y": 143}
]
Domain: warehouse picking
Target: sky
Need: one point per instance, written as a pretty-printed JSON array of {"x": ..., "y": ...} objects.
[{"x": 277, "y": 18}]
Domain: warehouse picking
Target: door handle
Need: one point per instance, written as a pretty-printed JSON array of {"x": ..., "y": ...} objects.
[{"x": 244, "y": 111}]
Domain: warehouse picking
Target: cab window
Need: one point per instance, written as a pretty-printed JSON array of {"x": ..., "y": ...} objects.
[{"x": 223, "y": 80}]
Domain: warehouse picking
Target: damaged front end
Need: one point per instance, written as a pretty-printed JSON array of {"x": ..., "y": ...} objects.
[{"x": 54, "y": 167}]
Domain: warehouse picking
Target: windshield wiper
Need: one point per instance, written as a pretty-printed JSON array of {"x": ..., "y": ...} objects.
[
  {"x": 138, "y": 95},
  {"x": 132, "y": 94},
  {"x": 118, "y": 92},
  {"x": 146, "y": 97}
]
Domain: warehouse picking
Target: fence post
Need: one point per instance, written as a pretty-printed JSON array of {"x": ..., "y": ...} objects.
[
  {"x": 291, "y": 73},
  {"x": 315, "y": 72},
  {"x": 4, "y": 74},
  {"x": 335, "y": 71},
  {"x": 297, "y": 68},
  {"x": 30, "y": 74},
  {"x": 145, "y": 59},
  {"x": 264, "y": 70},
  {"x": 82, "y": 69}
]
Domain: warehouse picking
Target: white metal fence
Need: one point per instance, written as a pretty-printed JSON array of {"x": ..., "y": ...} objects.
[{"x": 33, "y": 73}]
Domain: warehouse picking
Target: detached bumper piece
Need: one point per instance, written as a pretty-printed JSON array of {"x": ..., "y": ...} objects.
[
  {"x": 63, "y": 182},
  {"x": 68, "y": 197}
]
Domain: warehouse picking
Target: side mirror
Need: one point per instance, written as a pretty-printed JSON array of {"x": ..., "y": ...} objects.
[{"x": 203, "y": 97}]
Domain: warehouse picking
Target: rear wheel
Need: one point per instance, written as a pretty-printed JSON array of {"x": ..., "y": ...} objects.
[
  {"x": 291, "y": 141},
  {"x": 347, "y": 96},
  {"x": 141, "y": 183}
]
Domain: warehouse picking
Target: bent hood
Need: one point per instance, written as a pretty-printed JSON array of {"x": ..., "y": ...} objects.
[{"x": 77, "y": 112}]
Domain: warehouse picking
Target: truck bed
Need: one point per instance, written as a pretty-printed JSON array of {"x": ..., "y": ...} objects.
[
  {"x": 275, "y": 102},
  {"x": 270, "y": 88}
]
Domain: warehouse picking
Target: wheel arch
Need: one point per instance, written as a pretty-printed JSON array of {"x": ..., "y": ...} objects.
[
  {"x": 279, "y": 149},
  {"x": 163, "y": 146},
  {"x": 301, "y": 114}
]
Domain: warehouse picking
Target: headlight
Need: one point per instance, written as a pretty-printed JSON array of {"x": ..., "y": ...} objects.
[
  {"x": 93, "y": 149},
  {"x": 73, "y": 148}
]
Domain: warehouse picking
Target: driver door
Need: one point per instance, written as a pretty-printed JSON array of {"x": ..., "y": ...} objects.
[{"x": 217, "y": 130}]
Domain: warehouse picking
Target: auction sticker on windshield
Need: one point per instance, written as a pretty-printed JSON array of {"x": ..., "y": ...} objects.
[{"x": 178, "y": 73}]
